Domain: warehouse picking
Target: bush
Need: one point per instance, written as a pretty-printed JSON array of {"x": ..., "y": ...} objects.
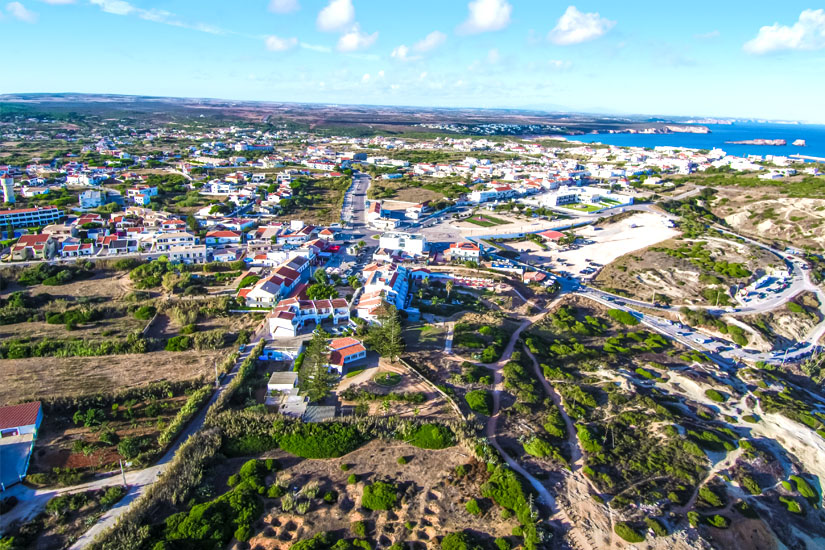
[
  {"x": 628, "y": 533},
  {"x": 129, "y": 447},
  {"x": 192, "y": 405},
  {"x": 502, "y": 544},
  {"x": 112, "y": 495},
  {"x": 623, "y": 317},
  {"x": 379, "y": 496},
  {"x": 402, "y": 460},
  {"x": 805, "y": 489},
  {"x": 178, "y": 343},
  {"x": 432, "y": 436},
  {"x": 325, "y": 440},
  {"x": 352, "y": 479},
  {"x": 480, "y": 401},
  {"x": 456, "y": 541},
  {"x": 473, "y": 507},
  {"x": 359, "y": 529},
  {"x": 656, "y": 526},
  {"x": 720, "y": 522},
  {"x": 709, "y": 498},
  {"x": 714, "y": 395},
  {"x": 144, "y": 313}
]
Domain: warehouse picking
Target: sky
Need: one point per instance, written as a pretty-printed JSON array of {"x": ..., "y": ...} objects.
[{"x": 729, "y": 58}]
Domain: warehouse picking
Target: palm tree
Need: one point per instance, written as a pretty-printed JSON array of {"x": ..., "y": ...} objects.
[{"x": 449, "y": 287}]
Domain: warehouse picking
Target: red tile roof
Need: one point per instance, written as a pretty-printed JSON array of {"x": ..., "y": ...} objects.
[{"x": 15, "y": 416}]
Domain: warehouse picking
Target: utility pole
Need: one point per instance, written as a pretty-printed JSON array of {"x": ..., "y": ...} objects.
[
  {"x": 217, "y": 378},
  {"x": 122, "y": 473}
]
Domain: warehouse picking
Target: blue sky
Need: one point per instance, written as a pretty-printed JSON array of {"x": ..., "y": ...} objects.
[{"x": 721, "y": 58}]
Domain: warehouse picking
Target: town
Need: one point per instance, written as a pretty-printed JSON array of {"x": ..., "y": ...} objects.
[{"x": 333, "y": 280}]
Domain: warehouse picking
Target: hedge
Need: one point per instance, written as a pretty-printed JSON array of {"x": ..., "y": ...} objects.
[{"x": 192, "y": 405}]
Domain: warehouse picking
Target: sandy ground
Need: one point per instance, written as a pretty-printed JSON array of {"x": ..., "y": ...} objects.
[{"x": 606, "y": 244}]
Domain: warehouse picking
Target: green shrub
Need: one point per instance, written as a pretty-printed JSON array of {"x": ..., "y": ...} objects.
[
  {"x": 456, "y": 541},
  {"x": 359, "y": 528},
  {"x": 480, "y": 401},
  {"x": 709, "y": 498},
  {"x": 714, "y": 395},
  {"x": 791, "y": 504},
  {"x": 628, "y": 533},
  {"x": 402, "y": 460},
  {"x": 473, "y": 507},
  {"x": 112, "y": 495},
  {"x": 623, "y": 317},
  {"x": 656, "y": 526},
  {"x": 144, "y": 313},
  {"x": 750, "y": 484},
  {"x": 502, "y": 544},
  {"x": 352, "y": 479},
  {"x": 322, "y": 440},
  {"x": 178, "y": 343},
  {"x": 805, "y": 489},
  {"x": 432, "y": 436},
  {"x": 694, "y": 518},
  {"x": 379, "y": 496},
  {"x": 720, "y": 522}
]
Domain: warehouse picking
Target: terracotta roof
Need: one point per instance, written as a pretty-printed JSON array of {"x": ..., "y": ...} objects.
[
  {"x": 552, "y": 235},
  {"x": 341, "y": 343},
  {"x": 14, "y": 416}
]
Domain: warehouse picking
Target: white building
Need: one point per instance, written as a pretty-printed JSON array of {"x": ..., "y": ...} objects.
[
  {"x": 7, "y": 183},
  {"x": 412, "y": 245}
]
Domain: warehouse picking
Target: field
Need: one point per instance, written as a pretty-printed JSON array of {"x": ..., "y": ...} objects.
[
  {"x": 433, "y": 505},
  {"x": 765, "y": 214},
  {"x": 53, "y": 377},
  {"x": 685, "y": 271}
]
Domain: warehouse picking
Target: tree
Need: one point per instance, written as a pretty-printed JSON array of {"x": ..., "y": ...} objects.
[
  {"x": 385, "y": 338},
  {"x": 449, "y": 287},
  {"x": 320, "y": 276},
  {"x": 192, "y": 223},
  {"x": 314, "y": 378}
]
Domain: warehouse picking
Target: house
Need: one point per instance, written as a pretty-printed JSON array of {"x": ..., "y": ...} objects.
[
  {"x": 94, "y": 198},
  {"x": 282, "y": 381},
  {"x": 187, "y": 254},
  {"x": 345, "y": 351},
  {"x": 77, "y": 250},
  {"x": 267, "y": 291},
  {"x": 215, "y": 238},
  {"x": 551, "y": 235},
  {"x": 412, "y": 245},
  {"x": 18, "y": 431},
  {"x": 292, "y": 315},
  {"x": 114, "y": 245},
  {"x": 464, "y": 252},
  {"x": 38, "y": 247},
  {"x": 165, "y": 241},
  {"x": 383, "y": 283}
]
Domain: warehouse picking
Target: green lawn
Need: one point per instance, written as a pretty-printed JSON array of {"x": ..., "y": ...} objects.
[
  {"x": 583, "y": 207},
  {"x": 486, "y": 221}
]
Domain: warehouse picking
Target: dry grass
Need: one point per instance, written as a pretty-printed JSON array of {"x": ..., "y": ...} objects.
[{"x": 48, "y": 377}]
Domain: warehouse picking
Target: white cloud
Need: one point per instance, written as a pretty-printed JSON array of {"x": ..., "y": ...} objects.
[
  {"x": 121, "y": 7},
  {"x": 355, "y": 40},
  {"x": 365, "y": 78},
  {"x": 19, "y": 11},
  {"x": 283, "y": 6},
  {"x": 808, "y": 33},
  {"x": 278, "y": 44},
  {"x": 58, "y": 2},
  {"x": 493, "y": 56},
  {"x": 336, "y": 16},
  {"x": 575, "y": 27},
  {"x": 381, "y": 74},
  {"x": 422, "y": 76},
  {"x": 401, "y": 53},
  {"x": 486, "y": 15},
  {"x": 559, "y": 65},
  {"x": 707, "y": 35},
  {"x": 316, "y": 47},
  {"x": 116, "y": 7},
  {"x": 430, "y": 42}
]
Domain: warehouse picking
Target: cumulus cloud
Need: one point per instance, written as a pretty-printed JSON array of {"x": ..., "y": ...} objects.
[
  {"x": 278, "y": 44},
  {"x": 19, "y": 11},
  {"x": 559, "y": 65},
  {"x": 365, "y": 78},
  {"x": 354, "y": 40},
  {"x": 58, "y": 2},
  {"x": 808, "y": 33},
  {"x": 430, "y": 42},
  {"x": 486, "y": 15},
  {"x": 575, "y": 27},
  {"x": 402, "y": 53},
  {"x": 116, "y": 7},
  {"x": 283, "y": 6},
  {"x": 336, "y": 16},
  {"x": 426, "y": 44}
]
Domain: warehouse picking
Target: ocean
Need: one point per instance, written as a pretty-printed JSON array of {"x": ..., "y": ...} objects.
[{"x": 814, "y": 135}]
